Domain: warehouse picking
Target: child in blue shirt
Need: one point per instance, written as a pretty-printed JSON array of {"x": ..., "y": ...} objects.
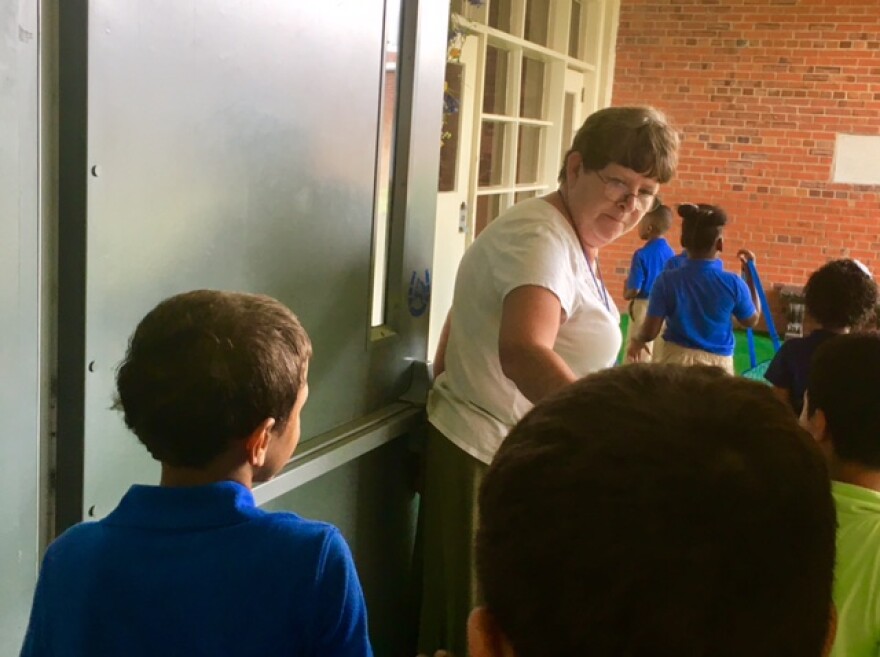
[
  {"x": 839, "y": 296},
  {"x": 647, "y": 263},
  {"x": 677, "y": 261},
  {"x": 213, "y": 384},
  {"x": 697, "y": 300}
]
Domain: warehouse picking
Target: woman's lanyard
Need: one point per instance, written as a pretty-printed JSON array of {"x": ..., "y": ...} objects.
[{"x": 599, "y": 281}]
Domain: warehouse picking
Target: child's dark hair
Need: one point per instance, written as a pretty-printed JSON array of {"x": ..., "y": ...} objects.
[
  {"x": 658, "y": 510},
  {"x": 844, "y": 383},
  {"x": 701, "y": 226},
  {"x": 204, "y": 368},
  {"x": 840, "y": 295},
  {"x": 660, "y": 218}
]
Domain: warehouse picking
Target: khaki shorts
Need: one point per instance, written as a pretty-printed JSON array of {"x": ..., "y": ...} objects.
[
  {"x": 676, "y": 354},
  {"x": 638, "y": 310}
]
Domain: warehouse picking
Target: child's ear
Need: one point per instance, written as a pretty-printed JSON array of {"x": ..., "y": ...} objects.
[
  {"x": 257, "y": 444},
  {"x": 719, "y": 244},
  {"x": 832, "y": 631},
  {"x": 485, "y": 638}
]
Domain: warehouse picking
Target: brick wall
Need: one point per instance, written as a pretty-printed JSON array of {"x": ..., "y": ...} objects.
[{"x": 759, "y": 89}]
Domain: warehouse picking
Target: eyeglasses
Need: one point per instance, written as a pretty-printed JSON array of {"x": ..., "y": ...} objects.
[{"x": 618, "y": 191}]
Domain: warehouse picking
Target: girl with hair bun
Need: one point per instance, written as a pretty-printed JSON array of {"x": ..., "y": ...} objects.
[{"x": 697, "y": 300}]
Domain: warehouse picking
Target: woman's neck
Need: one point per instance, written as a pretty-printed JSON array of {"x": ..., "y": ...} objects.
[{"x": 559, "y": 200}]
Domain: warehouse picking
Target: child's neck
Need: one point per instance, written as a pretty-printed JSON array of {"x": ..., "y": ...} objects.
[
  {"x": 848, "y": 472},
  {"x": 182, "y": 477}
]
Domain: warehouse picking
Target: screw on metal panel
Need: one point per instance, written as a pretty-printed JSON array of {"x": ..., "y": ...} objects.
[
  {"x": 96, "y": 171},
  {"x": 91, "y": 366}
]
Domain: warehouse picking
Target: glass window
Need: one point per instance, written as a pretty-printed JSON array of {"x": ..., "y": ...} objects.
[
  {"x": 574, "y": 30},
  {"x": 522, "y": 196},
  {"x": 499, "y": 14},
  {"x": 495, "y": 87},
  {"x": 452, "y": 99},
  {"x": 488, "y": 207},
  {"x": 492, "y": 152},
  {"x": 531, "y": 104},
  {"x": 528, "y": 157},
  {"x": 567, "y": 120},
  {"x": 385, "y": 160},
  {"x": 537, "y": 21}
]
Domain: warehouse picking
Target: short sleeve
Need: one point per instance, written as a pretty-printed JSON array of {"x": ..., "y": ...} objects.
[
  {"x": 37, "y": 635},
  {"x": 342, "y": 613},
  {"x": 659, "y": 303},
  {"x": 533, "y": 253},
  {"x": 779, "y": 372},
  {"x": 744, "y": 307},
  {"x": 636, "y": 279}
]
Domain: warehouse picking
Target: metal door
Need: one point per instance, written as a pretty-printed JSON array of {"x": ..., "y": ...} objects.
[
  {"x": 233, "y": 145},
  {"x": 20, "y": 317}
]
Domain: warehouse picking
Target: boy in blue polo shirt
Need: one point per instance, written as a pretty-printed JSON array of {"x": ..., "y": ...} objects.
[
  {"x": 212, "y": 384},
  {"x": 839, "y": 296},
  {"x": 697, "y": 300},
  {"x": 677, "y": 261},
  {"x": 647, "y": 264}
]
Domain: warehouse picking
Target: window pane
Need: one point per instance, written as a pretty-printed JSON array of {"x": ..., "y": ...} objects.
[
  {"x": 492, "y": 145},
  {"x": 574, "y": 30},
  {"x": 531, "y": 105},
  {"x": 385, "y": 161},
  {"x": 522, "y": 196},
  {"x": 451, "y": 126},
  {"x": 567, "y": 120},
  {"x": 495, "y": 89},
  {"x": 488, "y": 207},
  {"x": 499, "y": 14},
  {"x": 537, "y": 20},
  {"x": 528, "y": 159}
]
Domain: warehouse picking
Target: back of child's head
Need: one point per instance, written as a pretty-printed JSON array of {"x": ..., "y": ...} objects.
[
  {"x": 841, "y": 294},
  {"x": 844, "y": 383},
  {"x": 701, "y": 226},
  {"x": 205, "y": 368},
  {"x": 658, "y": 510},
  {"x": 661, "y": 219}
]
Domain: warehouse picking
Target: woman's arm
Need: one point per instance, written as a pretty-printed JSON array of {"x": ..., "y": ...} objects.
[
  {"x": 440, "y": 355},
  {"x": 530, "y": 320}
]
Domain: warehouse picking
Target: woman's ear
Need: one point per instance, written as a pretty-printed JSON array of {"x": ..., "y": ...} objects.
[{"x": 573, "y": 163}]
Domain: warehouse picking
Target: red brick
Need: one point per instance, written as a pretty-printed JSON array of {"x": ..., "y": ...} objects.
[{"x": 760, "y": 89}]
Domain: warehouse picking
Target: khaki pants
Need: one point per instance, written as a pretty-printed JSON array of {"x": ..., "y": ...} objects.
[
  {"x": 676, "y": 354},
  {"x": 448, "y": 524},
  {"x": 637, "y": 313}
]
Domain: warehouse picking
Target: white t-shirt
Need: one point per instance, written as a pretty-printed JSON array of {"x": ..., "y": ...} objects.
[{"x": 473, "y": 403}]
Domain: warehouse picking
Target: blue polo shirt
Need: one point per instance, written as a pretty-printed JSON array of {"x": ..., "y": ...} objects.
[
  {"x": 790, "y": 368},
  {"x": 697, "y": 301},
  {"x": 676, "y": 261},
  {"x": 191, "y": 572},
  {"x": 647, "y": 263}
]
